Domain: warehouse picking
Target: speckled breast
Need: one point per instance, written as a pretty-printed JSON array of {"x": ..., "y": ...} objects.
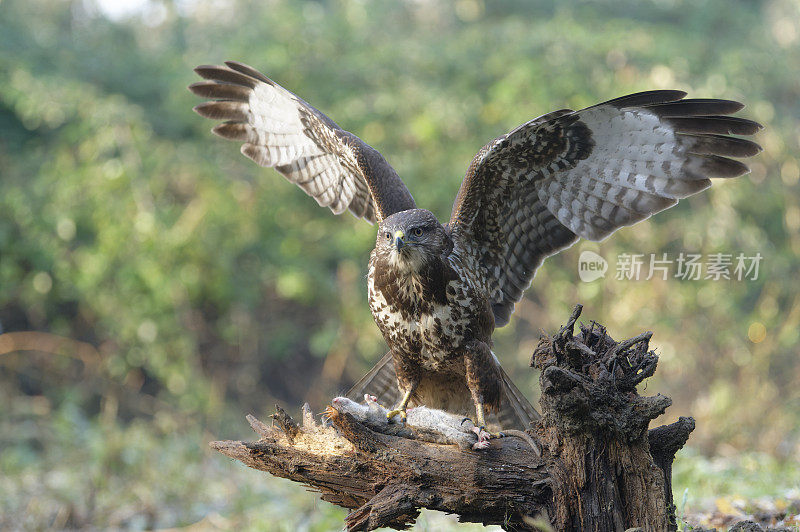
[{"x": 420, "y": 328}]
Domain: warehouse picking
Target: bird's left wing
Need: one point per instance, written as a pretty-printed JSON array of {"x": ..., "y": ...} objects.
[
  {"x": 571, "y": 174},
  {"x": 279, "y": 129}
]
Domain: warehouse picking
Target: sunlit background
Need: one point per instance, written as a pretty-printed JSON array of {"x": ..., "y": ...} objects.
[{"x": 156, "y": 286}]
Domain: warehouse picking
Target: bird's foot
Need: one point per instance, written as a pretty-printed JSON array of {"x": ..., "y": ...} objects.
[
  {"x": 484, "y": 434},
  {"x": 483, "y": 437},
  {"x": 397, "y": 412},
  {"x": 479, "y": 445}
]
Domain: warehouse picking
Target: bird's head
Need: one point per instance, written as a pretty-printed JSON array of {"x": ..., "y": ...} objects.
[{"x": 409, "y": 239}]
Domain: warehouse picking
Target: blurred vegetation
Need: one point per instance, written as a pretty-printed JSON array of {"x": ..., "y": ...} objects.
[{"x": 172, "y": 285}]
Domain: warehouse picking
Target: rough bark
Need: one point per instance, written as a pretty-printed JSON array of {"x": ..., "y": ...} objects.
[
  {"x": 386, "y": 479},
  {"x": 595, "y": 427},
  {"x": 600, "y": 469},
  {"x": 665, "y": 441}
]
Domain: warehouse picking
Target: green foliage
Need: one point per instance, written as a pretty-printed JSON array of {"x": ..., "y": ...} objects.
[{"x": 210, "y": 286}]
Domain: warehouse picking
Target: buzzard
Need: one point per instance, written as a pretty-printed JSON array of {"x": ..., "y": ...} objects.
[{"x": 437, "y": 291}]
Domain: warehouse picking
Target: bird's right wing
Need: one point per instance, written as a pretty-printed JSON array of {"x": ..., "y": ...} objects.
[{"x": 279, "y": 129}]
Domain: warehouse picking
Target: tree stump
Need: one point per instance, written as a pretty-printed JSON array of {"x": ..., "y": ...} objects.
[
  {"x": 600, "y": 468},
  {"x": 595, "y": 426}
]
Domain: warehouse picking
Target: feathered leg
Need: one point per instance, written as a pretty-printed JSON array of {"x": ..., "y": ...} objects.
[
  {"x": 408, "y": 378},
  {"x": 484, "y": 382}
]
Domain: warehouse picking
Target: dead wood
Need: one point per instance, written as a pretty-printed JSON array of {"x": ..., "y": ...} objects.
[
  {"x": 601, "y": 469},
  {"x": 595, "y": 427},
  {"x": 386, "y": 479}
]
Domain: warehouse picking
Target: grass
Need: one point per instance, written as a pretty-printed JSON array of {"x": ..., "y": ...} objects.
[{"x": 718, "y": 491}]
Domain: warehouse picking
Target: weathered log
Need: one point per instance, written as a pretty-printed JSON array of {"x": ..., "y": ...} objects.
[
  {"x": 386, "y": 479},
  {"x": 600, "y": 468}
]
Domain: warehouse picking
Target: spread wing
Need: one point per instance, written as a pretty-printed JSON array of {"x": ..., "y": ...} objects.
[
  {"x": 571, "y": 174},
  {"x": 279, "y": 129}
]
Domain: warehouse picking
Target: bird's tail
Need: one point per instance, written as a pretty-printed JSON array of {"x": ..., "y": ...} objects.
[
  {"x": 380, "y": 381},
  {"x": 515, "y": 412}
]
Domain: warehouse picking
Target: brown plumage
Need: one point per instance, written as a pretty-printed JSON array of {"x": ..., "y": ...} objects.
[{"x": 438, "y": 291}]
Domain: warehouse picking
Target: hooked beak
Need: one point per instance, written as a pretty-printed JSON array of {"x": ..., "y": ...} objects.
[{"x": 399, "y": 243}]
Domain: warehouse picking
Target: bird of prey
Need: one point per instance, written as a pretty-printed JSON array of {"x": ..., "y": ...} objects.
[{"x": 437, "y": 291}]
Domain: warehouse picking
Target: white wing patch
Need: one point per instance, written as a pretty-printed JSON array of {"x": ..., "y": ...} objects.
[
  {"x": 280, "y": 130},
  {"x": 638, "y": 166}
]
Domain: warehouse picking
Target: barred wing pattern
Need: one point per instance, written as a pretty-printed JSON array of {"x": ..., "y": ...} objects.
[
  {"x": 566, "y": 175},
  {"x": 281, "y": 130}
]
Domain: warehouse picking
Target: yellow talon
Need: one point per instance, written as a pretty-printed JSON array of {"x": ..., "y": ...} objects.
[
  {"x": 396, "y": 412},
  {"x": 401, "y": 408}
]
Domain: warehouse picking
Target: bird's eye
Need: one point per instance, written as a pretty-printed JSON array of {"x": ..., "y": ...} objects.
[
  {"x": 417, "y": 231},
  {"x": 388, "y": 236}
]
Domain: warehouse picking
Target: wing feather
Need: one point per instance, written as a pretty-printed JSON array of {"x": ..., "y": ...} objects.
[
  {"x": 221, "y": 91},
  {"x": 565, "y": 175},
  {"x": 721, "y": 125},
  {"x": 280, "y": 130}
]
